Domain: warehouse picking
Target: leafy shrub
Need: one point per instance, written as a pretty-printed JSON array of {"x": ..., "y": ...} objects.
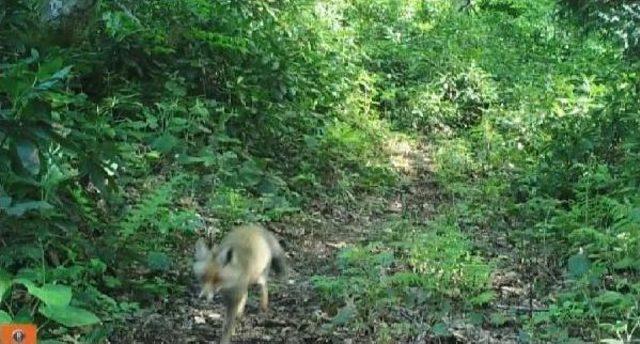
[
  {"x": 472, "y": 92},
  {"x": 411, "y": 268},
  {"x": 513, "y": 8},
  {"x": 544, "y": 154},
  {"x": 453, "y": 102},
  {"x": 618, "y": 19}
]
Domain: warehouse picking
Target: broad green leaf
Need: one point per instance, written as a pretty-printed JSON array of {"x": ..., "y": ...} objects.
[
  {"x": 5, "y": 318},
  {"x": 54, "y": 294},
  {"x": 15, "y": 84},
  {"x": 29, "y": 157},
  {"x": 5, "y": 283},
  {"x": 68, "y": 315},
  {"x": 50, "y": 294},
  {"x": 63, "y": 73},
  {"x": 23, "y": 315},
  {"x": 49, "y": 67},
  {"x": 55, "y": 78},
  {"x": 27, "y": 283},
  {"x": 29, "y": 274},
  {"x": 20, "y": 208}
]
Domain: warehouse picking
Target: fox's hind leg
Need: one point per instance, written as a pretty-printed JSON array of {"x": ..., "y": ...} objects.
[{"x": 264, "y": 292}]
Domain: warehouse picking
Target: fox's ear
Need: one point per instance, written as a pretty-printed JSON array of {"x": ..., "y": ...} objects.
[{"x": 202, "y": 251}]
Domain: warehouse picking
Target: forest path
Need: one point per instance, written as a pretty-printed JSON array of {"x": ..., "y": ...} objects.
[{"x": 311, "y": 240}]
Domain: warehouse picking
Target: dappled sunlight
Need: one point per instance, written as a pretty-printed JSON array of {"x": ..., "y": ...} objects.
[
  {"x": 330, "y": 12},
  {"x": 405, "y": 156}
]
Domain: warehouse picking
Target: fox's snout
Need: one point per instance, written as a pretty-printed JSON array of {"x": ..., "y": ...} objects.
[{"x": 209, "y": 285}]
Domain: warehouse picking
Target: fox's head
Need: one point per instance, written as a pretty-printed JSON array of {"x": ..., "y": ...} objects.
[{"x": 212, "y": 268}]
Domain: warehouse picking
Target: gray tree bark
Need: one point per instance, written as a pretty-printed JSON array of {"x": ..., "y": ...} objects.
[{"x": 55, "y": 12}]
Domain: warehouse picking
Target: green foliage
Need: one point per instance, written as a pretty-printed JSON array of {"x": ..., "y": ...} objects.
[
  {"x": 53, "y": 301},
  {"x": 616, "y": 19},
  {"x": 534, "y": 126},
  {"x": 513, "y": 8},
  {"x": 5, "y": 318},
  {"x": 133, "y": 120},
  {"x": 425, "y": 268},
  {"x": 154, "y": 213},
  {"x": 551, "y": 163}
]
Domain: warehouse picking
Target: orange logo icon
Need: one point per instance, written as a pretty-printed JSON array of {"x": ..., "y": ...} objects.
[{"x": 18, "y": 334}]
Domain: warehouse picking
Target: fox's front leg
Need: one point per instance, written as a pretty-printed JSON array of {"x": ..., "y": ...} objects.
[{"x": 235, "y": 301}]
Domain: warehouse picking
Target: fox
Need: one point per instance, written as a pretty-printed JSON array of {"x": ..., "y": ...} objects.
[{"x": 243, "y": 258}]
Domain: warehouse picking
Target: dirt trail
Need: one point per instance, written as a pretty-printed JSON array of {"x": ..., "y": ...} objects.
[{"x": 311, "y": 241}]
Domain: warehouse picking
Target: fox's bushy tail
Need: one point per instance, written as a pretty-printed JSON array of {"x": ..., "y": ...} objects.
[{"x": 278, "y": 258}]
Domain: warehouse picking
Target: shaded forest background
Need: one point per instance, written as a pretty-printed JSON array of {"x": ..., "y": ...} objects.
[{"x": 127, "y": 127}]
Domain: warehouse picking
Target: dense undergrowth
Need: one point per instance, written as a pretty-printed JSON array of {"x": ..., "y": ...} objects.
[
  {"x": 534, "y": 121},
  {"x": 132, "y": 120}
]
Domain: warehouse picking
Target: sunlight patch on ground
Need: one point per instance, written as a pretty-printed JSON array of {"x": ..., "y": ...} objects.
[
  {"x": 401, "y": 151},
  {"x": 405, "y": 155}
]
